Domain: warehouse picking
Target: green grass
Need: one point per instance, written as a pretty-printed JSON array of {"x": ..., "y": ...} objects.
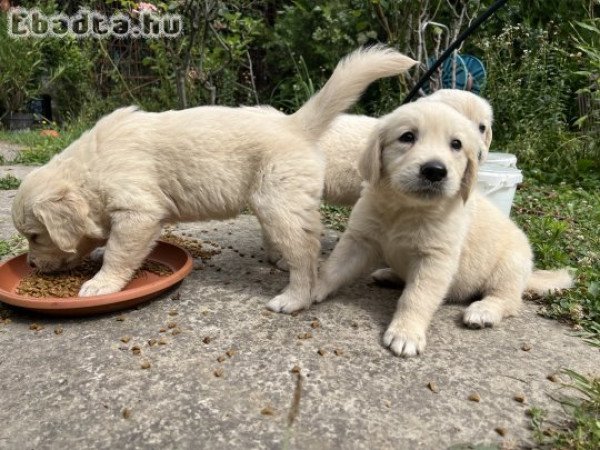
[
  {"x": 581, "y": 429},
  {"x": 9, "y": 182},
  {"x": 13, "y": 246},
  {"x": 39, "y": 149},
  {"x": 561, "y": 220}
]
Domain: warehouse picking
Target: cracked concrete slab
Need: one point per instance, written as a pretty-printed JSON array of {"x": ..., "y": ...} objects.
[{"x": 224, "y": 376}]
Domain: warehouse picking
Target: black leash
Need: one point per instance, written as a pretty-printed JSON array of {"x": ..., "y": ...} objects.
[{"x": 461, "y": 37}]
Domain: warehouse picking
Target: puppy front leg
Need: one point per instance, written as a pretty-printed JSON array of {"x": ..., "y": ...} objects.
[
  {"x": 351, "y": 257},
  {"x": 131, "y": 239},
  {"x": 426, "y": 286}
]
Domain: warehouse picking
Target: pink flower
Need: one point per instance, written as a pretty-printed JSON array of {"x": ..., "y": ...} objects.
[{"x": 142, "y": 6}]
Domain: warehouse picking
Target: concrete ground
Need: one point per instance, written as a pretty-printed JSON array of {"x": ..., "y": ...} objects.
[{"x": 229, "y": 374}]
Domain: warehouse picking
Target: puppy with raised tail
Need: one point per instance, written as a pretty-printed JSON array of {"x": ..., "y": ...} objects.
[
  {"x": 135, "y": 171},
  {"x": 420, "y": 215}
]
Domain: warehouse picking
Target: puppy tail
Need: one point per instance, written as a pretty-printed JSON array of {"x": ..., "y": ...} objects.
[
  {"x": 544, "y": 282},
  {"x": 350, "y": 78}
]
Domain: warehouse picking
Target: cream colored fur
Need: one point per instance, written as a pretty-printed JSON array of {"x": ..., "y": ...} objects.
[
  {"x": 445, "y": 240},
  {"x": 135, "y": 171},
  {"x": 345, "y": 140}
]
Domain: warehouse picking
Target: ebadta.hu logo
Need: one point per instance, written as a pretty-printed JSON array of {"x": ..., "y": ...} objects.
[{"x": 143, "y": 22}]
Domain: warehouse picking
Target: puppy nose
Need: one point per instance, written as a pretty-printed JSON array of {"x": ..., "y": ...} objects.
[{"x": 434, "y": 171}]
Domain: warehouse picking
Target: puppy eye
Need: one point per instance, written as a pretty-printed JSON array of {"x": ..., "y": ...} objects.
[
  {"x": 456, "y": 144},
  {"x": 482, "y": 128},
  {"x": 407, "y": 138}
]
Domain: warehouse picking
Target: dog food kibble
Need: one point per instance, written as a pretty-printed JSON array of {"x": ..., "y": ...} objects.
[
  {"x": 176, "y": 331},
  {"x": 519, "y": 398},
  {"x": 221, "y": 358},
  {"x": 58, "y": 330},
  {"x": 162, "y": 330},
  {"x": 176, "y": 296},
  {"x": 474, "y": 397},
  {"x": 36, "y": 327},
  {"x": 173, "y": 312},
  {"x": 433, "y": 387},
  {"x": 501, "y": 431},
  {"x": 120, "y": 319},
  {"x": 218, "y": 372},
  {"x": 125, "y": 339},
  {"x": 68, "y": 283},
  {"x": 553, "y": 377},
  {"x": 152, "y": 342},
  {"x": 315, "y": 324},
  {"x": 145, "y": 364},
  {"x": 267, "y": 411},
  {"x": 338, "y": 352},
  {"x": 171, "y": 325},
  {"x": 126, "y": 413},
  {"x": 136, "y": 350},
  {"x": 296, "y": 369},
  {"x": 207, "y": 339},
  {"x": 525, "y": 347},
  {"x": 321, "y": 352},
  {"x": 162, "y": 341},
  {"x": 307, "y": 335}
]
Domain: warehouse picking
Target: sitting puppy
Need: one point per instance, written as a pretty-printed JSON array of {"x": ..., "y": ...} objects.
[
  {"x": 419, "y": 214},
  {"x": 135, "y": 171},
  {"x": 345, "y": 140}
]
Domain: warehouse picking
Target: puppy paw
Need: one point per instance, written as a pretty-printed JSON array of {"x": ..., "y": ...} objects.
[
  {"x": 386, "y": 277},
  {"x": 480, "y": 315},
  {"x": 97, "y": 255},
  {"x": 320, "y": 292},
  {"x": 98, "y": 287},
  {"x": 287, "y": 303},
  {"x": 282, "y": 264},
  {"x": 403, "y": 341}
]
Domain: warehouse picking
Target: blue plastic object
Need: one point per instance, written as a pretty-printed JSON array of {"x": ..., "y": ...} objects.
[
  {"x": 477, "y": 73},
  {"x": 470, "y": 74}
]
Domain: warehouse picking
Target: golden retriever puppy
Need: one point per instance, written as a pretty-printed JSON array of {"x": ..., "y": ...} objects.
[
  {"x": 419, "y": 214},
  {"x": 135, "y": 171},
  {"x": 345, "y": 140}
]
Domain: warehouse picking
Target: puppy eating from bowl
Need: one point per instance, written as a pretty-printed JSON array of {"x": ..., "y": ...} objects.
[
  {"x": 136, "y": 171},
  {"x": 420, "y": 215}
]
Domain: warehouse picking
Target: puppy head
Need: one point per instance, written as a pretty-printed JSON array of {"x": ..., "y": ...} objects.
[
  {"x": 424, "y": 150},
  {"x": 472, "y": 106},
  {"x": 54, "y": 219}
]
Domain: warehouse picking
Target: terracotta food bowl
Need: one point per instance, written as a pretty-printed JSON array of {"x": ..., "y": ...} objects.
[{"x": 140, "y": 289}]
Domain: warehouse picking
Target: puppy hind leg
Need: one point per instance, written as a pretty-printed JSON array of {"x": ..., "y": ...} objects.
[
  {"x": 296, "y": 235},
  {"x": 387, "y": 277},
  {"x": 131, "y": 239},
  {"x": 351, "y": 257},
  {"x": 490, "y": 310},
  {"x": 503, "y": 298}
]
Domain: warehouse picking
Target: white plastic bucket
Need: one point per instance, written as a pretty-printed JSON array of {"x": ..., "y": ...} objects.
[
  {"x": 501, "y": 159},
  {"x": 499, "y": 184}
]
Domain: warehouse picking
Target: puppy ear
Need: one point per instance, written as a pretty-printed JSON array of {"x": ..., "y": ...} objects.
[
  {"x": 369, "y": 165},
  {"x": 64, "y": 215},
  {"x": 468, "y": 179}
]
